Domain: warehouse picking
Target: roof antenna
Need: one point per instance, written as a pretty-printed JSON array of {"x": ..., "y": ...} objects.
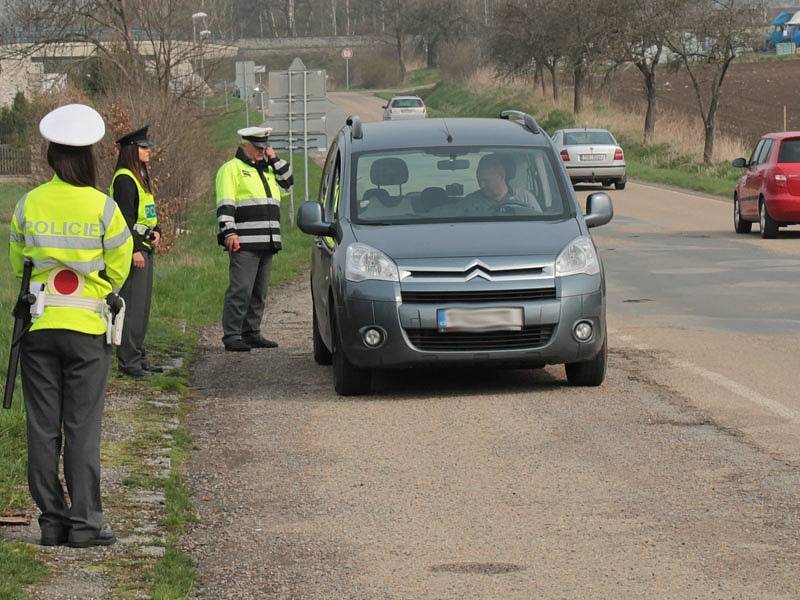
[{"x": 447, "y": 131}]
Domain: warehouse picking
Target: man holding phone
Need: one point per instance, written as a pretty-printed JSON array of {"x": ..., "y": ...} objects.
[{"x": 249, "y": 187}]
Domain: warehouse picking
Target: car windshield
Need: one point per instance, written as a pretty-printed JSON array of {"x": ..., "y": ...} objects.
[
  {"x": 407, "y": 103},
  {"x": 579, "y": 138},
  {"x": 790, "y": 152},
  {"x": 450, "y": 184}
]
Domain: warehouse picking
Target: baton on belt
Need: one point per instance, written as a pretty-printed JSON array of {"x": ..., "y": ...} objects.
[{"x": 22, "y": 321}]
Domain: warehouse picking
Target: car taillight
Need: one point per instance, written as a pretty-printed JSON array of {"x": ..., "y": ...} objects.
[
  {"x": 618, "y": 155},
  {"x": 780, "y": 181},
  {"x": 565, "y": 155}
]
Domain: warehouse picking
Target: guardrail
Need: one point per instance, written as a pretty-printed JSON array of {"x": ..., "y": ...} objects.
[{"x": 14, "y": 161}]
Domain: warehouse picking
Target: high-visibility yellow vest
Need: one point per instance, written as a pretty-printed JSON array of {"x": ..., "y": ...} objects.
[
  {"x": 245, "y": 207},
  {"x": 72, "y": 234},
  {"x": 147, "y": 217}
]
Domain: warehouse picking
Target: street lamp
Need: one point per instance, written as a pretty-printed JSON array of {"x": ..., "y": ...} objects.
[{"x": 195, "y": 17}]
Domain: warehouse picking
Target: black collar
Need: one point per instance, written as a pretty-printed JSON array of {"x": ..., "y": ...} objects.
[{"x": 260, "y": 165}]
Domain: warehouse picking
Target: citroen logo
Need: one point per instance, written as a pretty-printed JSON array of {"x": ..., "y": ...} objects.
[{"x": 477, "y": 269}]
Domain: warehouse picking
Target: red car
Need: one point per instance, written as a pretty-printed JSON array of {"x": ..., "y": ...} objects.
[{"x": 769, "y": 190}]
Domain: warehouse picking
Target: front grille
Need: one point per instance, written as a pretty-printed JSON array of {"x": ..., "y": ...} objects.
[
  {"x": 433, "y": 297},
  {"x": 528, "y": 338}
]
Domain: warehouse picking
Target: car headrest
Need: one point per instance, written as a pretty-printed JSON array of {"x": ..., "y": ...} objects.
[
  {"x": 429, "y": 198},
  {"x": 381, "y": 196},
  {"x": 388, "y": 171}
]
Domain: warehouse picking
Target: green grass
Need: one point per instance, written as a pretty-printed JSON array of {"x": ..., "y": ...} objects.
[
  {"x": 18, "y": 564},
  {"x": 653, "y": 163},
  {"x": 13, "y": 494},
  {"x": 18, "y": 568}
]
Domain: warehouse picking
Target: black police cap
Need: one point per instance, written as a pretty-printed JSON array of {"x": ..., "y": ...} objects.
[{"x": 138, "y": 137}]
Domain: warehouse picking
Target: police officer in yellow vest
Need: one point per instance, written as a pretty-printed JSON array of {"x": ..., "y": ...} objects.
[
  {"x": 248, "y": 212},
  {"x": 81, "y": 252},
  {"x": 132, "y": 189}
]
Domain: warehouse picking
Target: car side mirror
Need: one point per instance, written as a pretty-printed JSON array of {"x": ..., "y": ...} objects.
[
  {"x": 739, "y": 163},
  {"x": 599, "y": 209},
  {"x": 310, "y": 221}
]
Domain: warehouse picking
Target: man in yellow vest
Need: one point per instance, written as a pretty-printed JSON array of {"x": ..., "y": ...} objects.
[
  {"x": 80, "y": 247},
  {"x": 249, "y": 187}
]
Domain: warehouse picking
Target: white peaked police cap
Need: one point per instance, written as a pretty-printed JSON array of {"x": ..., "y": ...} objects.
[
  {"x": 73, "y": 125},
  {"x": 258, "y": 136}
]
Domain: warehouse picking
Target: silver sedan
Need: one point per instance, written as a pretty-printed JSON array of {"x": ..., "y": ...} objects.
[
  {"x": 591, "y": 155},
  {"x": 404, "y": 107}
]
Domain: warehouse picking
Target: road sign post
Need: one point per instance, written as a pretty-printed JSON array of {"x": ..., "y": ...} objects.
[
  {"x": 347, "y": 54},
  {"x": 297, "y": 114}
]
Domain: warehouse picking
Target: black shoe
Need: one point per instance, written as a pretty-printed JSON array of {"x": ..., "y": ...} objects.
[
  {"x": 151, "y": 368},
  {"x": 54, "y": 537},
  {"x": 105, "y": 537},
  {"x": 259, "y": 341},
  {"x": 237, "y": 346},
  {"x": 135, "y": 373}
]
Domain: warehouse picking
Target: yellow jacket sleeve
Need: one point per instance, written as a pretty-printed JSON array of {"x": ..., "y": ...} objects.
[
  {"x": 117, "y": 250},
  {"x": 16, "y": 247}
]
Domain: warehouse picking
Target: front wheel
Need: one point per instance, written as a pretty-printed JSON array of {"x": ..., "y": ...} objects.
[
  {"x": 348, "y": 380},
  {"x": 769, "y": 227},
  {"x": 588, "y": 373},
  {"x": 739, "y": 224}
]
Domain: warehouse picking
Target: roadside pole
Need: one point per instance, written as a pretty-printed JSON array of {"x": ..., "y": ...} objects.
[
  {"x": 305, "y": 131},
  {"x": 291, "y": 149},
  {"x": 347, "y": 54}
]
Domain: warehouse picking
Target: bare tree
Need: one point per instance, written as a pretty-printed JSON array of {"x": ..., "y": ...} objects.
[
  {"x": 708, "y": 36},
  {"x": 436, "y": 22},
  {"x": 643, "y": 29},
  {"x": 528, "y": 35}
]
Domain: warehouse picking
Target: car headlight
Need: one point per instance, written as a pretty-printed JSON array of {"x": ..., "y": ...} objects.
[
  {"x": 365, "y": 262},
  {"x": 579, "y": 256}
]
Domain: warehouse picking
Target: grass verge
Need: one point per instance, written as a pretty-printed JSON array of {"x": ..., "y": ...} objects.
[
  {"x": 655, "y": 163},
  {"x": 18, "y": 564},
  {"x": 188, "y": 290}
]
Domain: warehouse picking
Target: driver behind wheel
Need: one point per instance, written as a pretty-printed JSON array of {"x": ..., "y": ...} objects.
[{"x": 495, "y": 193}]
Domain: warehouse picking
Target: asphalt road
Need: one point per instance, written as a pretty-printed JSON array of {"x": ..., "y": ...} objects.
[{"x": 678, "y": 478}]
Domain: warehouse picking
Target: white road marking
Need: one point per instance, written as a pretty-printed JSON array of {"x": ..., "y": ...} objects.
[{"x": 725, "y": 382}]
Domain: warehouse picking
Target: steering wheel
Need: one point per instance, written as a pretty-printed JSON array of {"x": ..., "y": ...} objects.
[{"x": 509, "y": 206}]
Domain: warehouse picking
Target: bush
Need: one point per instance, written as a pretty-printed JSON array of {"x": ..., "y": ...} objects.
[
  {"x": 182, "y": 165},
  {"x": 16, "y": 121},
  {"x": 378, "y": 70},
  {"x": 458, "y": 61}
]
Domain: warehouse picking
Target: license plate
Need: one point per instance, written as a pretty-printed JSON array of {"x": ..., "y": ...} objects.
[
  {"x": 588, "y": 157},
  {"x": 479, "y": 319}
]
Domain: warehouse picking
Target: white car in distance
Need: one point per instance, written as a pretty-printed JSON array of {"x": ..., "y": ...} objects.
[{"x": 404, "y": 107}]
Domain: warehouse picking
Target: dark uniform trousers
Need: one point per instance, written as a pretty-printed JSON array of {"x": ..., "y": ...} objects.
[
  {"x": 64, "y": 377},
  {"x": 249, "y": 275},
  {"x": 137, "y": 292}
]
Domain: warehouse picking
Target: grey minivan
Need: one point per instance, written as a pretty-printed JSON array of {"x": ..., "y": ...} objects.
[{"x": 453, "y": 242}]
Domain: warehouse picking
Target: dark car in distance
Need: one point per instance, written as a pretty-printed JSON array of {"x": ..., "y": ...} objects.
[
  {"x": 453, "y": 242},
  {"x": 769, "y": 190}
]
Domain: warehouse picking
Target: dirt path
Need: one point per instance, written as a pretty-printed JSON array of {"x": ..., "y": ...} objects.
[{"x": 480, "y": 484}]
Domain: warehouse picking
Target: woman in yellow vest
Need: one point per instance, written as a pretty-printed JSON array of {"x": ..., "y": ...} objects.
[
  {"x": 80, "y": 248},
  {"x": 132, "y": 189}
]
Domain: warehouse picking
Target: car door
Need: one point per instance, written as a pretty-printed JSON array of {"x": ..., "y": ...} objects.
[
  {"x": 323, "y": 249},
  {"x": 748, "y": 200},
  {"x": 760, "y": 174},
  {"x": 326, "y": 247}
]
